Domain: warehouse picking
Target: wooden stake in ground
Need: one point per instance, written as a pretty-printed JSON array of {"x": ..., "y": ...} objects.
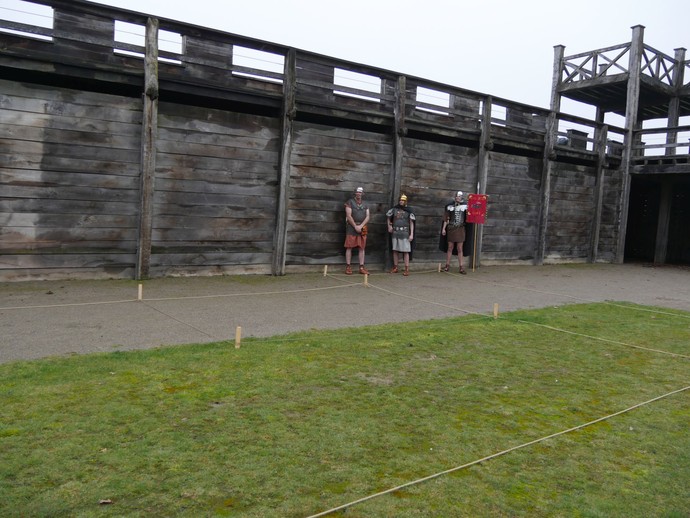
[
  {"x": 495, "y": 310},
  {"x": 140, "y": 295},
  {"x": 238, "y": 337}
]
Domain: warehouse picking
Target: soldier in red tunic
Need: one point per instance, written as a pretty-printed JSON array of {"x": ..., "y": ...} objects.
[{"x": 356, "y": 217}]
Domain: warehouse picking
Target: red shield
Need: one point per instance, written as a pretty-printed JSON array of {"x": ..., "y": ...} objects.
[{"x": 476, "y": 208}]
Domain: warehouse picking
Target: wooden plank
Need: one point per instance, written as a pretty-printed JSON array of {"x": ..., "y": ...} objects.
[
  {"x": 81, "y": 260},
  {"x": 206, "y": 52},
  {"x": 72, "y": 106},
  {"x": 208, "y": 258},
  {"x": 39, "y": 127},
  {"x": 212, "y": 233},
  {"x": 189, "y": 118},
  {"x": 85, "y": 207},
  {"x": 225, "y": 152},
  {"x": 169, "y": 137}
]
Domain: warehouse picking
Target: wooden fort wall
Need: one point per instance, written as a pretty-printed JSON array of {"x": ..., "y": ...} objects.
[
  {"x": 249, "y": 169},
  {"x": 215, "y": 190},
  {"x": 70, "y": 175}
]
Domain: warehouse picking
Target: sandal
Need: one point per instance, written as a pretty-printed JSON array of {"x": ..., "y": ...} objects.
[
  {"x": 462, "y": 271},
  {"x": 406, "y": 272},
  {"x": 446, "y": 268},
  {"x": 394, "y": 270},
  {"x": 348, "y": 270}
]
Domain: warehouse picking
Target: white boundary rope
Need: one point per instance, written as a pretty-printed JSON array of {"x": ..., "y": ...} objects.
[
  {"x": 575, "y": 298},
  {"x": 615, "y": 342},
  {"x": 498, "y": 454},
  {"x": 192, "y": 297},
  {"x": 182, "y": 322},
  {"x": 69, "y": 304},
  {"x": 467, "y": 311}
]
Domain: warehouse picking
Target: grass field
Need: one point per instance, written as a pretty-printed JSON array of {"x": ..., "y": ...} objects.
[{"x": 297, "y": 425}]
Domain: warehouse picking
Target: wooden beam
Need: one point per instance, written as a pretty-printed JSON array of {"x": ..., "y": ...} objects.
[
  {"x": 288, "y": 115},
  {"x": 400, "y": 131},
  {"x": 664, "y": 221},
  {"x": 545, "y": 188},
  {"x": 483, "y": 156},
  {"x": 549, "y": 155},
  {"x": 148, "y": 150},
  {"x": 631, "y": 109},
  {"x": 395, "y": 182},
  {"x": 601, "y": 140},
  {"x": 674, "y": 103}
]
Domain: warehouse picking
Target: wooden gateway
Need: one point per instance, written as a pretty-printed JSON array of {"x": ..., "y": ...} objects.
[{"x": 135, "y": 147}]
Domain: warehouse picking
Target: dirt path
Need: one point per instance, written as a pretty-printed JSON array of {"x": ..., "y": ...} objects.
[{"x": 49, "y": 318}]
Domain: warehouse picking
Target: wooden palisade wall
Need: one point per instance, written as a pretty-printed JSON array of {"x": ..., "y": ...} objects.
[{"x": 248, "y": 168}]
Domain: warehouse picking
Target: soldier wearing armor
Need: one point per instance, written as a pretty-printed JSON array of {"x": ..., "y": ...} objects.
[
  {"x": 356, "y": 218},
  {"x": 401, "y": 221},
  {"x": 454, "y": 217}
]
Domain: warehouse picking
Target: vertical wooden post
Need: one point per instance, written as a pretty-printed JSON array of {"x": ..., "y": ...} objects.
[
  {"x": 677, "y": 81},
  {"x": 395, "y": 181},
  {"x": 288, "y": 115},
  {"x": 549, "y": 156},
  {"x": 631, "y": 108},
  {"x": 149, "y": 134},
  {"x": 662, "y": 227},
  {"x": 601, "y": 139},
  {"x": 485, "y": 146},
  {"x": 662, "y": 230},
  {"x": 399, "y": 146},
  {"x": 238, "y": 337}
]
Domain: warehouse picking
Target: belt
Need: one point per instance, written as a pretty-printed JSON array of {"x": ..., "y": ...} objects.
[{"x": 400, "y": 228}]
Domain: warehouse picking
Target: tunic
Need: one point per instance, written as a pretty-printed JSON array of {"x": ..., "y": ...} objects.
[
  {"x": 352, "y": 238},
  {"x": 455, "y": 216},
  {"x": 401, "y": 228}
]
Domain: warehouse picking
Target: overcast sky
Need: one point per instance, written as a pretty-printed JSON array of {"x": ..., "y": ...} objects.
[{"x": 498, "y": 47}]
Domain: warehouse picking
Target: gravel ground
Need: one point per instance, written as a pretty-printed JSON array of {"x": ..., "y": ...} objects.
[{"x": 52, "y": 318}]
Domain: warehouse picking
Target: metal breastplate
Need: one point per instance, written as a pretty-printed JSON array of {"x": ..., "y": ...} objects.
[
  {"x": 359, "y": 212},
  {"x": 457, "y": 215},
  {"x": 401, "y": 224}
]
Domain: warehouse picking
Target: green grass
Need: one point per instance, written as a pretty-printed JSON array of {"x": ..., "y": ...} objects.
[{"x": 295, "y": 425}]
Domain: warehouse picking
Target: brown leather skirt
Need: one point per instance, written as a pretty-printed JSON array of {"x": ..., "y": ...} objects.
[{"x": 455, "y": 234}]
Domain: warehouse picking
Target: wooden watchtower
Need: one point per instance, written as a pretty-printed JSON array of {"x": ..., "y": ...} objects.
[{"x": 641, "y": 84}]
